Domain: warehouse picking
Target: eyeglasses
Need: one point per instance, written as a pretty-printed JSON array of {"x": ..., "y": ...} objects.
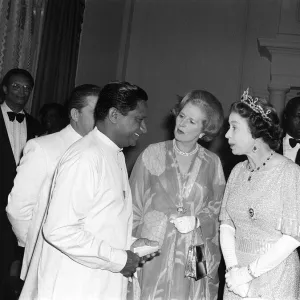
[{"x": 17, "y": 87}]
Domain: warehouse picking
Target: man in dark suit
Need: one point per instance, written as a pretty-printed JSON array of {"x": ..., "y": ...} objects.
[
  {"x": 16, "y": 127},
  {"x": 291, "y": 140}
]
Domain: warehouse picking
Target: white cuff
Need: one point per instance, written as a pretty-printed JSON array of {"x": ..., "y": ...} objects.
[{"x": 117, "y": 258}]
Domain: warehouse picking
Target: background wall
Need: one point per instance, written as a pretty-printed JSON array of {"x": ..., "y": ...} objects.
[
  {"x": 100, "y": 41},
  {"x": 173, "y": 46}
]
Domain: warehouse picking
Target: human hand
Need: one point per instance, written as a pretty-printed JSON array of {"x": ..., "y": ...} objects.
[
  {"x": 145, "y": 245},
  {"x": 237, "y": 277},
  {"x": 133, "y": 261},
  {"x": 184, "y": 224},
  {"x": 242, "y": 290}
]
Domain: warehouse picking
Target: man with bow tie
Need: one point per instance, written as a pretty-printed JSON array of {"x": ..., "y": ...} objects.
[
  {"x": 291, "y": 141},
  {"x": 16, "y": 127}
]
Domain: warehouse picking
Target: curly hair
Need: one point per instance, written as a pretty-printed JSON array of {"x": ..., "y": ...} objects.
[
  {"x": 269, "y": 131},
  {"x": 212, "y": 108}
]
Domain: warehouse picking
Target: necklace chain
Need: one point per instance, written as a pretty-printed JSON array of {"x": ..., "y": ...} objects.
[
  {"x": 261, "y": 166},
  {"x": 185, "y": 153}
]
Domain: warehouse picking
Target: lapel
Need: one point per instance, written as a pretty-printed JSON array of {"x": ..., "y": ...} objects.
[
  {"x": 33, "y": 127},
  {"x": 6, "y": 150},
  {"x": 29, "y": 125}
]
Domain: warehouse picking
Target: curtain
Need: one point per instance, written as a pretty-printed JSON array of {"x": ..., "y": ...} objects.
[
  {"x": 55, "y": 77},
  {"x": 21, "y": 25}
]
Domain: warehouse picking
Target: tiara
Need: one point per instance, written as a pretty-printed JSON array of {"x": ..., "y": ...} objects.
[{"x": 249, "y": 101}]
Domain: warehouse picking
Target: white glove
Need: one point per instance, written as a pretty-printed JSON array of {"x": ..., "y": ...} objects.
[
  {"x": 266, "y": 262},
  {"x": 227, "y": 240},
  {"x": 237, "y": 277},
  {"x": 241, "y": 290},
  {"x": 277, "y": 254},
  {"x": 185, "y": 224}
]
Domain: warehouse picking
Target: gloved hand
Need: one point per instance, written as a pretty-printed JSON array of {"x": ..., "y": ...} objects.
[
  {"x": 237, "y": 277},
  {"x": 185, "y": 224},
  {"x": 242, "y": 290}
]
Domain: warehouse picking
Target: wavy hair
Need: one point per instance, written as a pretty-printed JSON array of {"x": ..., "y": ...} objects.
[
  {"x": 212, "y": 108},
  {"x": 269, "y": 131}
]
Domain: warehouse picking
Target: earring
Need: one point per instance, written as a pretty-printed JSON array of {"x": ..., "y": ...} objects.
[{"x": 254, "y": 149}]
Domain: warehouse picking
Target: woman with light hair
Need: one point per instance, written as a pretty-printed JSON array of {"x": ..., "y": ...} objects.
[{"x": 177, "y": 187}]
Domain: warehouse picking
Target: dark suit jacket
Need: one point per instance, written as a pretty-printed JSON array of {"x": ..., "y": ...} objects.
[{"x": 7, "y": 174}]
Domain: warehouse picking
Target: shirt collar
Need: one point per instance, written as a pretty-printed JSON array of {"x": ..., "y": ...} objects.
[
  {"x": 73, "y": 131},
  {"x": 107, "y": 140},
  {"x": 286, "y": 140}
]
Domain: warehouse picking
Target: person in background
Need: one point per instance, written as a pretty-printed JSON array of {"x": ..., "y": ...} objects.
[
  {"x": 291, "y": 140},
  {"x": 28, "y": 199},
  {"x": 86, "y": 253},
  {"x": 178, "y": 185},
  {"x": 260, "y": 214},
  {"x": 54, "y": 117},
  {"x": 16, "y": 127}
]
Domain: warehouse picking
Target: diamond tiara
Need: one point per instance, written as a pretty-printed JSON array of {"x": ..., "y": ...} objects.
[{"x": 249, "y": 101}]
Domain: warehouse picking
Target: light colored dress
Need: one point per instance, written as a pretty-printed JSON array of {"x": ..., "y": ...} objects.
[
  {"x": 261, "y": 211},
  {"x": 156, "y": 185}
]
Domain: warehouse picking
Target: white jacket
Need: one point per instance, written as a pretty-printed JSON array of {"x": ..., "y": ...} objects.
[
  {"x": 28, "y": 199},
  {"x": 89, "y": 224}
]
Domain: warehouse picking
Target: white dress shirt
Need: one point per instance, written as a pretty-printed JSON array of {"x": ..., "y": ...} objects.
[
  {"x": 17, "y": 132},
  {"x": 288, "y": 151},
  {"x": 89, "y": 224}
]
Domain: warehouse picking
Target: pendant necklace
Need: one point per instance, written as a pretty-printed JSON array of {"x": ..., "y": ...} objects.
[
  {"x": 251, "y": 211},
  {"x": 258, "y": 168},
  {"x": 182, "y": 187}
]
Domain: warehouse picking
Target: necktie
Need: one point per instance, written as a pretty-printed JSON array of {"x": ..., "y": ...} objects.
[
  {"x": 293, "y": 142},
  {"x": 12, "y": 116}
]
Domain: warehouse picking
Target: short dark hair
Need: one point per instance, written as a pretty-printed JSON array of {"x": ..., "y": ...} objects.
[
  {"x": 79, "y": 94},
  {"x": 268, "y": 130},
  {"x": 292, "y": 106},
  {"x": 16, "y": 71},
  {"x": 121, "y": 95},
  {"x": 212, "y": 108}
]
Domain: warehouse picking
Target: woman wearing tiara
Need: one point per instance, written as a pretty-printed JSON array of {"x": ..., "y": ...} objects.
[
  {"x": 260, "y": 214},
  {"x": 178, "y": 185}
]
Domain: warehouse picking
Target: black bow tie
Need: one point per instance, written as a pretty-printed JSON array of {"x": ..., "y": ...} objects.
[
  {"x": 12, "y": 116},
  {"x": 293, "y": 142}
]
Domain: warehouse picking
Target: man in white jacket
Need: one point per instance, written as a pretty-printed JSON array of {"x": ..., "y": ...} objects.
[
  {"x": 28, "y": 199},
  {"x": 88, "y": 227}
]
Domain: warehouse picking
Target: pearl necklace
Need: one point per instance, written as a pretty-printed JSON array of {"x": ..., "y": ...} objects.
[
  {"x": 185, "y": 153},
  {"x": 261, "y": 166}
]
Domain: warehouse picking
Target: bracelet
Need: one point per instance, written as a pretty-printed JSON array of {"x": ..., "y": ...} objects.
[
  {"x": 232, "y": 267},
  {"x": 250, "y": 272}
]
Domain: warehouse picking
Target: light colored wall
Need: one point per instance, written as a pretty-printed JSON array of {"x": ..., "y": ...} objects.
[
  {"x": 100, "y": 41},
  {"x": 179, "y": 45}
]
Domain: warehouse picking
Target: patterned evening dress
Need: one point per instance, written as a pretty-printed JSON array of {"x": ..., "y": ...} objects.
[
  {"x": 156, "y": 185},
  {"x": 261, "y": 211}
]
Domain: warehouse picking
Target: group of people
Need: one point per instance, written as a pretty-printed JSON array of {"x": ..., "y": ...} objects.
[{"x": 72, "y": 207}]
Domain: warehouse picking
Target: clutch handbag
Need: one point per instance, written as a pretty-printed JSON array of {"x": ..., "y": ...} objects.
[{"x": 195, "y": 266}]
